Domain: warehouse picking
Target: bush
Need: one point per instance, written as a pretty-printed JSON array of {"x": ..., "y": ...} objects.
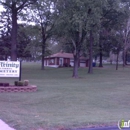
[
  {"x": 26, "y": 82},
  {"x": 69, "y": 65},
  {"x": 66, "y": 65},
  {"x": 1, "y": 84},
  {"x": 60, "y": 66},
  {"x": 18, "y": 83},
  {"x": 5, "y": 84}
]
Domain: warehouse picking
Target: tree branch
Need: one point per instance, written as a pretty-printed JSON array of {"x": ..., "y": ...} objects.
[{"x": 5, "y": 4}]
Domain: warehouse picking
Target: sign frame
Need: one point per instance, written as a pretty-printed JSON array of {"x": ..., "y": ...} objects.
[{"x": 10, "y": 69}]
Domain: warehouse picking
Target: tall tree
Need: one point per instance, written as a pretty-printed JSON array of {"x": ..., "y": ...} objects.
[
  {"x": 126, "y": 36},
  {"x": 15, "y": 7},
  {"x": 5, "y": 34},
  {"x": 116, "y": 41},
  {"x": 90, "y": 69},
  {"x": 111, "y": 13},
  {"x": 43, "y": 15},
  {"x": 76, "y": 19}
]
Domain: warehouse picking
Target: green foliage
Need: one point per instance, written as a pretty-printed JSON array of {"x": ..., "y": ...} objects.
[
  {"x": 16, "y": 83},
  {"x": 33, "y": 35},
  {"x": 23, "y": 41},
  {"x": 76, "y": 18},
  {"x": 19, "y": 83},
  {"x": 64, "y": 24},
  {"x": 5, "y": 34},
  {"x": 14, "y": 7}
]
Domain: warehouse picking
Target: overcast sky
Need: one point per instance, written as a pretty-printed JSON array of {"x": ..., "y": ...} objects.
[
  {"x": 1, "y": 8},
  {"x": 19, "y": 21}
]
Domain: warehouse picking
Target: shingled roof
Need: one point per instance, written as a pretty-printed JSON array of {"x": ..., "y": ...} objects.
[{"x": 63, "y": 55}]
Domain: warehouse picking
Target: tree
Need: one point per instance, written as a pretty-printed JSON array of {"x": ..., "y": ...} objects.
[
  {"x": 23, "y": 41},
  {"x": 126, "y": 36},
  {"x": 116, "y": 41},
  {"x": 15, "y": 8},
  {"x": 76, "y": 19},
  {"x": 111, "y": 15},
  {"x": 43, "y": 16},
  {"x": 33, "y": 33},
  {"x": 5, "y": 34},
  {"x": 90, "y": 70},
  {"x": 122, "y": 27}
]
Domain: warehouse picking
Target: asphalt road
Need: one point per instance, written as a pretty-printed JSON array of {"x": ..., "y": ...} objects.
[{"x": 102, "y": 128}]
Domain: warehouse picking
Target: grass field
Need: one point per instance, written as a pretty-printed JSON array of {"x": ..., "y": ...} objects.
[{"x": 102, "y": 97}]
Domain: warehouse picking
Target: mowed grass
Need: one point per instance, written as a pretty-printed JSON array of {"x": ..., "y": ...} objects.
[{"x": 101, "y": 97}]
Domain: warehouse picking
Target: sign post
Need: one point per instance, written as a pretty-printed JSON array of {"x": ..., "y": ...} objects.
[{"x": 20, "y": 69}]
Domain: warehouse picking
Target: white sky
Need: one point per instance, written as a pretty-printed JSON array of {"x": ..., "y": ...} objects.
[{"x": 1, "y": 8}]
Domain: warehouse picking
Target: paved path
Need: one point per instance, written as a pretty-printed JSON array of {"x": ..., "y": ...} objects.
[{"x": 4, "y": 126}]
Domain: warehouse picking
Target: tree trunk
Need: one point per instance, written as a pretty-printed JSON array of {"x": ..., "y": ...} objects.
[
  {"x": 43, "y": 57},
  {"x": 43, "y": 47},
  {"x": 6, "y": 57},
  {"x": 14, "y": 36},
  {"x": 124, "y": 58},
  {"x": 110, "y": 62},
  {"x": 100, "y": 58},
  {"x": 76, "y": 66},
  {"x": 90, "y": 69},
  {"x": 117, "y": 60},
  {"x": 100, "y": 52}
]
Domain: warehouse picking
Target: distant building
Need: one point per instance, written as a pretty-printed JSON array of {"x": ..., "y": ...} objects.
[{"x": 62, "y": 59}]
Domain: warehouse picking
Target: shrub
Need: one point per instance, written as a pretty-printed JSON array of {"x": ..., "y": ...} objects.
[
  {"x": 66, "y": 65},
  {"x": 20, "y": 83},
  {"x": 60, "y": 66},
  {"x": 16, "y": 83},
  {"x": 1, "y": 84},
  {"x": 5, "y": 84},
  {"x": 26, "y": 82}
]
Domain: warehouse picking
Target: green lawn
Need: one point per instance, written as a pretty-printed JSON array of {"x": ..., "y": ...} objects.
[{"x": 102, "y": 97}]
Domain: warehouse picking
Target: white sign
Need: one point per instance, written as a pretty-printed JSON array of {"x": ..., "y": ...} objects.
[{"x": 9, "y": 68}]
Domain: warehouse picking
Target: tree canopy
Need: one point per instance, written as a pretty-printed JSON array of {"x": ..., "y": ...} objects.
[{"x": 88, "y": 27}]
